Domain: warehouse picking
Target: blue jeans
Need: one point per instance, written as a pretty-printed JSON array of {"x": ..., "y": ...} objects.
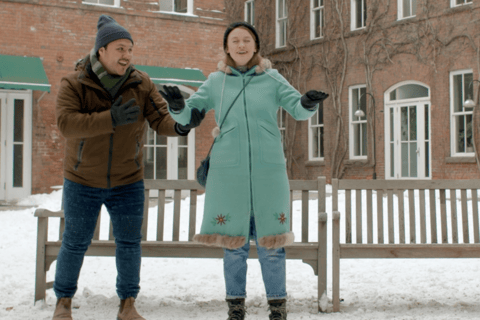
[
  {"x": 82, "y": 205},
  {"x": 272, "y": 263}
]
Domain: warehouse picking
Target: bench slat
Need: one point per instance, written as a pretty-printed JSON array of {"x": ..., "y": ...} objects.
[
  {"x": 401, "y": 215},
  {"x": 391, "y": 228},
  {"x": 453, "y": 208},
  {"x": 423, "y": 217},
  {"x": 476, "y": 230},
  {"x": 160, "y": 214},
  {"x": 177, "y": 198},
  {"x": 433, "y": 216},
  {"x": 369, "y": 217},
  {"x": 380, "y": 215},
  {"x": 304, "y": 215},
  {"x": 411, "y": 210},
  {"x": 466, "y": 235},
  {"x": 193, "y": 215},
  {"x": 443, "y": 215},
  {"x": 348, "y": 214},
  {"x": 358, "y": 218}
]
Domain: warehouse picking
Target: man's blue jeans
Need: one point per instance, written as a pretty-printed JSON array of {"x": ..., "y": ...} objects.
[
  {"x": 82, "y": 205},
  {"x": 272, "y": 263}
]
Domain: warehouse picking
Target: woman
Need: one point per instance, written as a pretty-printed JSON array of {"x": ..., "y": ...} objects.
[{"x": 247, "y": 190}]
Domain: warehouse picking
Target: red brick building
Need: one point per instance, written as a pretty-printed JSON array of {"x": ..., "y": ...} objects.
[
  {"x": 407, "y": 65},
  {"x": 40, "y": 42}
]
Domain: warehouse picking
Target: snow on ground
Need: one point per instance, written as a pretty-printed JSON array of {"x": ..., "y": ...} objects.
[{"x": 194, "y": 288}]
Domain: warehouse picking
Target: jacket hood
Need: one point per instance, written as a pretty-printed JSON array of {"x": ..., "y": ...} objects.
[{"x": 263, "y": 65}]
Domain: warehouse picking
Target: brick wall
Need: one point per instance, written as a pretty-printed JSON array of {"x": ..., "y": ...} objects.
[{"x": 61, "y": 32}]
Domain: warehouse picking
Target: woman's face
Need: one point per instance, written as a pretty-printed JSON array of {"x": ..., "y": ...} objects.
[{"x": 240, "y": 46}]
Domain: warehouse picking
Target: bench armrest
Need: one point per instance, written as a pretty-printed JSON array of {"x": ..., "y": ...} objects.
[{"x": 45, "y": 213}]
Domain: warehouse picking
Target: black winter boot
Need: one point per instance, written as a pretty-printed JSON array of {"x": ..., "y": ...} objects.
[
  {"x": 236, "y": 309},
  {"x": 278, "y": 309}
]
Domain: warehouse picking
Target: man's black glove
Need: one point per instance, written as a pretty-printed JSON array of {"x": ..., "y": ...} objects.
[
  {"x": 197, "y": 117},
  {"x": 123, "y": 114},
  {"x": 174, "y": 98},
  {"x": 310, "y": 99}
]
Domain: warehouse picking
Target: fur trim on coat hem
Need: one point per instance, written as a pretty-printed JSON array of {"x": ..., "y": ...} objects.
[
  {"x": 277, "y": 241},
  {"x": 218, "y": 240}
]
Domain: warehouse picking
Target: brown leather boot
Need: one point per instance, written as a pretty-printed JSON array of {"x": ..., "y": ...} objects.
[
  {"x": 63, "y": 309},
  {"x": 127, "y": 310},
  {"x": 278, "y": 309}
]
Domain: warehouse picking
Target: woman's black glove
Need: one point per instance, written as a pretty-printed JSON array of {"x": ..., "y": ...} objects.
[
  {"x": 174, "y": 98},
  {"x": 197, "y": 117},
  {"x": 310, "y": 99},
  {"x": 123, "y": 114}
]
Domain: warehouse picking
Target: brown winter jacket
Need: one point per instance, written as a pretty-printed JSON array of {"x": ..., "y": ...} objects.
[{"x": 96, "y": 154}]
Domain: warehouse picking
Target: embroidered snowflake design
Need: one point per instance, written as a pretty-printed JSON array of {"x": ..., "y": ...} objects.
[
  {"x": 281, "y": 217},
  {"x": 221, "y": 219}
]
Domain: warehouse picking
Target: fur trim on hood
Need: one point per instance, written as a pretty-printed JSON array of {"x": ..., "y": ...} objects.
[
  {"x": 260, "y": 68},
  {"x": 228, "y": 242}
]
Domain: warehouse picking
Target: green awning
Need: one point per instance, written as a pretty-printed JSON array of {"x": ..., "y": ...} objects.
[
  {"x": 160, "y": 75},
  {"x": 21, "y": 73}
]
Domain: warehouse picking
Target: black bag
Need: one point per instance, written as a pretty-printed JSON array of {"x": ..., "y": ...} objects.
[{"x": 202, "y": 170}]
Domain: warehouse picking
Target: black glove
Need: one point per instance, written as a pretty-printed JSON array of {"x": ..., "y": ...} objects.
[
  {"x": 197, "y": 117},
  {"x": 174, "y": 98},
  {"x": 310, "y": 99},
  {"x": 123, "y": 114}
]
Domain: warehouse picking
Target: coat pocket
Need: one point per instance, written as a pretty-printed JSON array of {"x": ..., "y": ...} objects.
[
  {"x": 270, "y": 143},
  {"x": 226, "y": 150}
]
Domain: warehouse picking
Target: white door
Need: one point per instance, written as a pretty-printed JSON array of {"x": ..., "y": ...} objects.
[
  {"x": 407, "y": 134},
  {"x": 171, "y": 158},
  {"x": 16, "y": 144}
]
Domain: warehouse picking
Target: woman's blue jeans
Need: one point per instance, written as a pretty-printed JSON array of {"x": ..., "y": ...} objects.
[
  {"x": 81, "y": 206},
  {"x": 272, "y": 263}
]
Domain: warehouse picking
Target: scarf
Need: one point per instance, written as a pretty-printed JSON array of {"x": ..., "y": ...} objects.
[{"x": 111, "y": 83}]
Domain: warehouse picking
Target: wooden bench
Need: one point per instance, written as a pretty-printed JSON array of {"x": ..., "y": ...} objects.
[
  {"x": 391, "y": 219},
  {"x": 312, "y": 253}
]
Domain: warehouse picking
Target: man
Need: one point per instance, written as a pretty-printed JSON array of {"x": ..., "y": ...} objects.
[{"x": 101, "y": 111}]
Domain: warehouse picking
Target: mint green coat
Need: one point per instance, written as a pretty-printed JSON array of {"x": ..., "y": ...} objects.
[{"x": 247, "y": 166}]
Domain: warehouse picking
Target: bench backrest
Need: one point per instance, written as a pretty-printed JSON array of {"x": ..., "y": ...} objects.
[
  {"x": 191, "y": 189},
  {"x": 408, "y": 211}
]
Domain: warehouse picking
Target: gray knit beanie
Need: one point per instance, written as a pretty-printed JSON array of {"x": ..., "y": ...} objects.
[{"x": 109, "y": 30}]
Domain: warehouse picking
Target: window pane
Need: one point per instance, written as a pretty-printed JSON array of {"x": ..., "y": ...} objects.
[
  {"x": 181, "y": 6},
  {"x": 166, "y": 5},
  {"x": 283, "y": 33},
  {"x": 182, "y": 163},
  {"x": 391, "y": 125},
  {"x": 148, "y": 162},
  {"x": 427, "y": 159},
  {"x": 392, "y": 160},
  {"x": 316, "y": 3},
  {"x": 404, "y": 124},
  {"x": 318, "y": 31},
  {"x": 469, "y": 134},
  {"x": 467, "y": 86},
  {"x": 280, "y": 8},
  {"x": 18, "y": 121},
  {"x": 364, "y": 139},
  {"x": 460, "y": 133},
  {"x": 356, "y": 139},
  {"x": 414, "y": 9},
  {"x": 404, "y": 159},
  {"x": 427, "y": 123},
  {"x": 161, "y": 163},
  {"x": 410, "y": 91},
  {"x": 406, "y": 8},
  {"x": 413, "y": 160},
  {"x": 457, "y": 92},
  {"x": 358, "y": 13},
  {"x": 161, "y": 140},
  {"x": 18, "y": 165},
  {"x": 413, "y": 123}
]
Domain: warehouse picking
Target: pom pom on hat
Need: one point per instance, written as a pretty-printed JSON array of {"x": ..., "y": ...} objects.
[{"x": 109, "y": 30}]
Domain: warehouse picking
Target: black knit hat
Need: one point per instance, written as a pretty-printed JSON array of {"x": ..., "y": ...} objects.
[
  {"x": 109, "y": 30},
  {"x": 240, "y": 24}
]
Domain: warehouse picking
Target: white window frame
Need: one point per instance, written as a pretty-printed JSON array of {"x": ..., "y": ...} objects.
[
  {"x": 189, "y": 8},
  {"x": 454, "y": 114},
  {"x": 313, "y": 12},
  {"x": 354, "y": 12},
  {"x": 250, "y": 12},
  {"x": 453, "y": 3},
  {"x": 116, "y": 3},
  {"x": 400, "y": 9},
  {"x": 353, "y": 121},
  {"x": 281, "y": 20},
  {"x": 311, "y": 128}
]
